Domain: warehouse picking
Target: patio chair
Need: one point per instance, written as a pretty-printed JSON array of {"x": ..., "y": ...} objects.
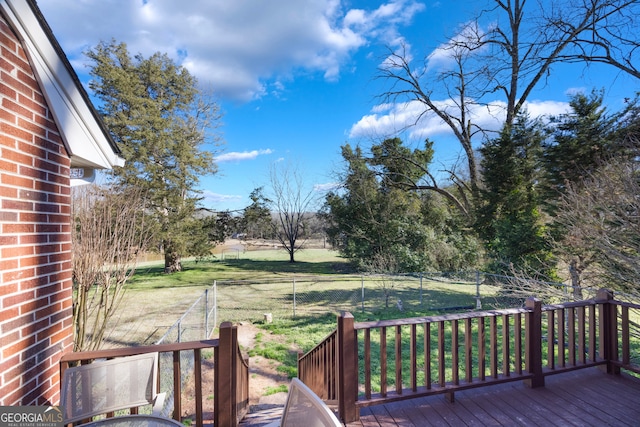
[
  {"x": 110, "y": 385},
  {"x": 305, "y": 408}
]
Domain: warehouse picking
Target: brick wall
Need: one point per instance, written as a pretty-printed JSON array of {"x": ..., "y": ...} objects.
[{"x": 35, "y": 241}]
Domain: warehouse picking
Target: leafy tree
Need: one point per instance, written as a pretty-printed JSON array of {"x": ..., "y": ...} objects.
[
  {"x": 210, "y": 230},
  {"x": 161, "y": 122},
  {"x": 374, "y": 217},
  {"x": 509, "y": 218},
  {"x": 256, "y": 218},
  {"x": 580, "y": 143}
]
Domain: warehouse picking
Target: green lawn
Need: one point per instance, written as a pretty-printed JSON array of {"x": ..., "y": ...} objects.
[{"x": 250, "y": 284}]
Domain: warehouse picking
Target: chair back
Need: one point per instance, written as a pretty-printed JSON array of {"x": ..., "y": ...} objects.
[
  {"x": 305, "y": 408},
  {"x": 108, "y": 385}
]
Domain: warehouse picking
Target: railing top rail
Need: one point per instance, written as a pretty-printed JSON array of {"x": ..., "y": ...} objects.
[
  {"x": 439, "y": 318},
  {"x": 321, "y": 343},
  {"x": 627, "y": 304},
  {"x": 130, "y": 351}
]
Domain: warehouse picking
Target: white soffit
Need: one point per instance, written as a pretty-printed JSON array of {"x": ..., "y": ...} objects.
[{"x": 83, "y": 136}]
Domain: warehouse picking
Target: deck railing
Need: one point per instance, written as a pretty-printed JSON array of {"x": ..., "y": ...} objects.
[
  {"x": 230, "y": 373},
  {"x": 383, "y": 361}
]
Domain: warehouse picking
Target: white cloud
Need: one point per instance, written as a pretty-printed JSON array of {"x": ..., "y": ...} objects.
[
  {"x": 388, "y": 120},
  {"x": 236, "y": 46},
  {"x": 212, "y": 197},
  {"x": 236, "y": 156},
  {"x": 444, "y": 55},
  {"x": 329, "y": 186}
]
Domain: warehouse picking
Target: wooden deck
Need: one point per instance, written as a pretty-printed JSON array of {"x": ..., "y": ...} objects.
[{"x": 586, "y": 397}]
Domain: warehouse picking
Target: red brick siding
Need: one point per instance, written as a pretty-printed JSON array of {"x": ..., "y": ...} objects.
[{"x": 35, "y": 240}]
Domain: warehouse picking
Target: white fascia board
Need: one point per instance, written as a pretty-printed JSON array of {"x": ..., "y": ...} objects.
[{"x": 83, "y": 136}]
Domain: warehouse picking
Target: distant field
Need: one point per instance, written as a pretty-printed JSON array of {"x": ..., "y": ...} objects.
[
  {"x": 252, "y": 283},
  {"x": 154, "y": 301}
]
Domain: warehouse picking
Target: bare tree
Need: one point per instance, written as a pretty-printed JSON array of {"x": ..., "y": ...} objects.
[
  {"x": 290, "y": 201},
  {"x": 498, "y": 67},
  {"x": 609, "y": 37},
  {"x": 385, "y": 267},
  {"x": 602, "y": 223},
  {"x": 109, "y": 231}
]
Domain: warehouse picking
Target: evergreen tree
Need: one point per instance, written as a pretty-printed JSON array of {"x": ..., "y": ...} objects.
[
  {"x": 374, "y": 217},
  {"x": 160, "y": 120},
  {"x": 256, "y": 219},
  {"x": 581, "y": 142},
  {"x": 509, "y": 219}
]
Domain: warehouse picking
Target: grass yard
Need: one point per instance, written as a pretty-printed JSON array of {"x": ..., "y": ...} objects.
[{"x": 250, "y": 284}]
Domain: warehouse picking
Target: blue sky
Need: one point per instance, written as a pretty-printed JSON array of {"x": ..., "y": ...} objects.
[{"x": 296, "y": 79}]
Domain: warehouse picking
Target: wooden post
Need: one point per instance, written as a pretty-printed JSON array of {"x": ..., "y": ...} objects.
[
  {"x": 177, "y": 387},
  {"x": 533, "y": 342},
  {"x": 608, "y": 330},
  {"x": 347, "y": 369},
  {"x": 225, "y": 411}
]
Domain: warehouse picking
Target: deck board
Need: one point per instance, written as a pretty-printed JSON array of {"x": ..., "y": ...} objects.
[{"x": 587, "y": 397}]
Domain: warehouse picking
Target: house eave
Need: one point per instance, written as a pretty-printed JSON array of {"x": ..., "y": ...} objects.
[{"x": 85, "y": 136}]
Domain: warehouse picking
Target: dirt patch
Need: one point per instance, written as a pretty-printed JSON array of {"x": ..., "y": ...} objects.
[{"x": 263, "y": 376}]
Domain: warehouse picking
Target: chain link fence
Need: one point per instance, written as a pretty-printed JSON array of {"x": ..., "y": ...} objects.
[
  {"x": 319, "y": 295},
  {"x": 314, "y": 296},
  {"x": 197, "y": 323}
]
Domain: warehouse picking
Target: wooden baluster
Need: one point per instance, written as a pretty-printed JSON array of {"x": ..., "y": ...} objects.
[
  {"x": 493, "y": 345},
  {"x": 506, "y": 340},
  {"x": 561, "y": 333},
  {"x": 517, "y": 342},
  {"x": 455, "y": 361},
  {"x": 551, "y": 360},
  {"x": 482, "y": 355},
  {"x": 468, "y": 348},
  {"x": 427, "y": 355},
  {"x": 414, "y": 358},
  {"x": 197, "y": 375},
  {"x": 177, "y": 387},
  {"x": 571, "y": 330},
  {"x": 441, "y": 355},
  {"x": 367, "y": 363},
  {"x": 398, "y": 352},
  {"x": 592, "y": 333},
  {"x": 582, "y": 347},
  {"x": 383, "y": 361},
  {"x": 626, "y": 356}
]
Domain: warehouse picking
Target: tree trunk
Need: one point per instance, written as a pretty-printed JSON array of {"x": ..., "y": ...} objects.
[
  {"x": 172, "y": 262},
  {"x": 576, "y": 280}
]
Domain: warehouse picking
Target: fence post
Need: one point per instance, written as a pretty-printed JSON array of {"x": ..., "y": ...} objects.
[
  {"x": 206, "y": 314},
  {"x": 478, "y": 302},
  {"x": 347, "y": 369},
  {"x": 533, "y": 342},
  {"x": 608, "y": 330},
  {"x": 215, "y": 303},
  {"x": 226, "y": 412},
  {"x": 294, "y": 297},
  {"x": 420, "y": 288},
  {"x": 362, "y": 297}
]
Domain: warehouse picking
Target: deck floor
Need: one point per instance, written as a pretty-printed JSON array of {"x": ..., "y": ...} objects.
[{"x": 585, "y": 397}]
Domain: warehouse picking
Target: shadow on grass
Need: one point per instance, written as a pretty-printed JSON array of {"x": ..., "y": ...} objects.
[
  {"x": 430, "y": 302},
  {"x": 298, "y": 267}
]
